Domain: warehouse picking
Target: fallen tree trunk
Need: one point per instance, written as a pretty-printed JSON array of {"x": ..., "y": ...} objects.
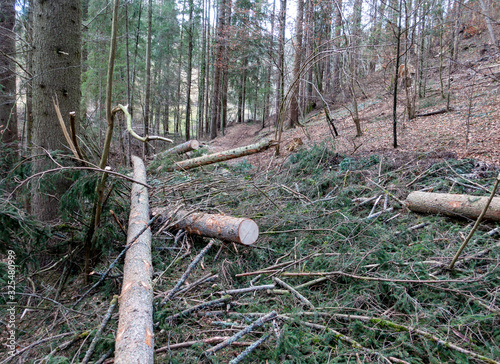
[
  {"x": 453, "y": 205},
  {"x": 134, "y": 338},
  {"x": 182, "y": 148},
  {"x": 437, "y": 112},
  {"x": 222, "y": 156},
  {"x": 234, "y": 229}
]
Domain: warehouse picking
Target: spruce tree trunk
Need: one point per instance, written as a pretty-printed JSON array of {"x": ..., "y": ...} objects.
[
  {"x": 189, "y": 71},
  {"x": 147, "y": 98},
  {"x": 8, "y": 115},
  {"x": 216, "y": 94},
  {"x": 294, "y": 106},
  {"x": 57, "y": 69}
]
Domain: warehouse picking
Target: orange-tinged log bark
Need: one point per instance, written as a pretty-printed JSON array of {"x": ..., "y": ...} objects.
[
  {"x": 235, "y": 229},
  {"x": 134, "y": 337},
  {"x": 222, "y": 156},
  {"x": 453, "y": 205}
]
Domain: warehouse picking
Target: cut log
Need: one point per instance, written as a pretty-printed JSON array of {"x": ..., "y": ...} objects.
[
  {"x": 234, "y": 229},
  {"x": 222, "y": 156},
  {"x": 182, "y": 148},
  {"x": 437, "y": 112},
  {"x": 453, "y": 205},
  {"x": 134, "y": 338}
]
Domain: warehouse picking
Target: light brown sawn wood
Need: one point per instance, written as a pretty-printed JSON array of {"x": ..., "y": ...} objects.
[
  {"x": 134, "y": 338},
  {"x": 235, "y": 229},
  {"x": 453, "y": 205},
  {"x": 222, "y": 156}
]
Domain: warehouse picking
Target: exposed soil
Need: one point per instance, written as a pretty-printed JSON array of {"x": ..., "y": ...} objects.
[{"x": 470, "y": 130}]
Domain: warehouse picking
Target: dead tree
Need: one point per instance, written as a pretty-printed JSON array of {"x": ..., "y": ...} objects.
[{"x": 134, "y": 338}]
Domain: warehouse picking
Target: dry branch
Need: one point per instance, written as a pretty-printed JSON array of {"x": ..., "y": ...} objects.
[
  {"x": 240, "y": 334},
  {"x": 453, "y": 205},
  {"x": 211, "y": 340},
  {"x": 103, "y": 325},
  {"x": 190, "y": 310},
  {"x": 134, "y": 338},
  {"x": 222, "y": 156},
  {"x": 188, "y": 271}
]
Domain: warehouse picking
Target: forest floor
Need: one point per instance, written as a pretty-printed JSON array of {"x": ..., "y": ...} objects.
[{"x": 470, "y": 130}]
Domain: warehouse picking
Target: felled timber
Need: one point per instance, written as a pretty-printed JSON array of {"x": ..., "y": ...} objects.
[
  {"x": 453, "y": 205},
  {"x": 182, "y": 148},
  {"x": 222, "y": 156},
  {"x": 134, "y": 338},
  {"x": 227, "y": 228}
]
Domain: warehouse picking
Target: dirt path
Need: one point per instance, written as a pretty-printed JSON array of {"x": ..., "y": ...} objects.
[{"x": 470, "y": 130}]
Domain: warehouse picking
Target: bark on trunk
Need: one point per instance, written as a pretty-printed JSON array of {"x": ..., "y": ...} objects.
[
  {"x": 453, "y": 205},
  {"x": 56, "y": 72},
  {"x": 239, "y": 230},
  {"x": 8, "y": 119},
  {"x": 222, "y": 156},
  {"x": 134, "y": 338}
]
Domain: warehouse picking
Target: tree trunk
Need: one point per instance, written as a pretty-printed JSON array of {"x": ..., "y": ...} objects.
[
  {"x": 453, "y": 205},
  {"x": 487, "y": 14},
  {"x": 147, "y": 98},
  {"x": 336, "y": 58},
  {"x": 225, "y": 73},
  {"x": 215, "y": 112},
  {"x": 294, "y": 106},
  {"x": 182, "y": 148},
  {"x": 8, "y": 115},
  {"x": 280, "y": 80},
  {"x": 222, "y": 156},
  {"x": 134, "y": 337},
  {"x": 203, "y": 73},
  {"x": 189, "y": 71},
  {"x": 238, "y": 230},
  {"x": 56, "y": 68}
]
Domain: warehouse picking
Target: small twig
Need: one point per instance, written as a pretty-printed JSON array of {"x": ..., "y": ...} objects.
[
  {"x": 211, "y": 340},
  {"x": 248, "y": 350},
  {"x": 104, "y": 323},
  {"x": 105, "y": 274},
  {"x": 294, "y": 292},
  {"x": 106, "y": 355},
  {"x": 188, "y": 271},
  {"x": 31, "y": 346},
  {"x": 190, "y": 310},
  {"x": 377, "y": 279},
  {"x": 208, "y": 277},
  {"x": 241, "y": 333},
  {"x": 374, "y": 206},
  {"x": 248, "y": 289},
  {"x": 22, "y": 183},
  {"x": 118, "y": 222},
  {"x": 67, "y": 344}
]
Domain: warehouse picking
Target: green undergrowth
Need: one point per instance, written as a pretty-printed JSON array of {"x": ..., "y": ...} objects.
[
  {"x": 334, "y": 227},
  {"x": 310, "y": 214}
]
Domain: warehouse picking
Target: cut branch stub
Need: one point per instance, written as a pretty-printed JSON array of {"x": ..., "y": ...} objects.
[
  {"x": 235, "y": 229},
  {"x": 453, "y": 205}
]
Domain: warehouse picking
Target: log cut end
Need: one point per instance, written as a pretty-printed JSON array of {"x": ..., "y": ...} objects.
[
  {"x": 248, "y": 232},
  {"x": 194, "y": 144}
]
